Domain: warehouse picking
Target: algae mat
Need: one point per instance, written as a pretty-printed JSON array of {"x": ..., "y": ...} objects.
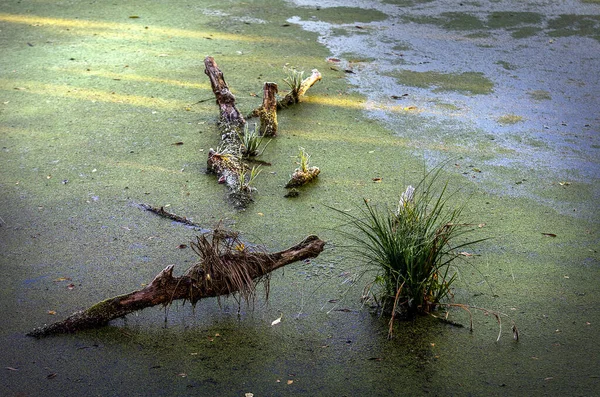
[{"x": 104, "y": 106}]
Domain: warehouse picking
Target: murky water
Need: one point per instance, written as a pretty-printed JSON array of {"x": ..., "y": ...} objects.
[{"x": 95, "y": 100}]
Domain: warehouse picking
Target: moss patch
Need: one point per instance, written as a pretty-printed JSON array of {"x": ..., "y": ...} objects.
[
  {"x": 406, "y": 3},
  {"x": 450, "y": 20},
  {"x": 575, "y": 25},
  {"x": 469, "y": 82},
  {"x": 507, "y": 19},
  {"x": 506, "y": 65},
  {"x": 509, "y": 119},
  {"x": 524, "y": 24},
  {"x": 540, "y": 95},
  {"x": 527, "y": 31},
  {"x": 341, "y": 15}
]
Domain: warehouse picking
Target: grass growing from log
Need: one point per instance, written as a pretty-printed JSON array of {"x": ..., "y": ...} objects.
[
  {"x": 250, "y": 142},
  {"x": 411, "y": 248}
]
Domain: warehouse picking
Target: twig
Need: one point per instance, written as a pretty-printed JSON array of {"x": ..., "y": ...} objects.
[{"x": 166, "y": 214}]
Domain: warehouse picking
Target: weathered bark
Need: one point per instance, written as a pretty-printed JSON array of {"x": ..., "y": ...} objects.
[
  {"x": 165, "y": 288},
  {"x": 268, "y": 111},
  {"x": 231, "y": 172},
  {"x": 225, "y": 99},
  {"x": 293, "y": 96}
]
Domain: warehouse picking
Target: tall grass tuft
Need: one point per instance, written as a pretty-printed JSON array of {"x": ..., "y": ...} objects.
[{"x": 410, "y": 247}]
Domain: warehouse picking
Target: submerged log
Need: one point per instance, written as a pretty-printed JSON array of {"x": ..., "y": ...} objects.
[
  {"x": 302, "y": 177},
  {"x": 202, "y": 280},
  {"x": 225, "y": 161}
]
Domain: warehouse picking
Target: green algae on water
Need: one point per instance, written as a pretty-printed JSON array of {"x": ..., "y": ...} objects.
[
  {"x": 507, "y": 19},
  {"x": 342, "y": 15},
  {"x": 540, "y": 95},
  {"x": 474, "y": 83},
  {"x": 575, "y": 25},
  {"x": 509, "y": 119}
]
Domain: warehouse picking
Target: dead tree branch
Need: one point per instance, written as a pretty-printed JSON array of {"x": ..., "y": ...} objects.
[{"x": 211, "y": 277}]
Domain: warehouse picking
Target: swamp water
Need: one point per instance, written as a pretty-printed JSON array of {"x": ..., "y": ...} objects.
[{"x": 96, "y": 99}]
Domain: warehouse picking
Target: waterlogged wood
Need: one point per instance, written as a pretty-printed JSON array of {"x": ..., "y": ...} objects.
[
  {"x": 300, "y": 177},
  {"x": 268, "y": 111},
  {"x": 225, "y": 162},
  {"x": 225, "y": 99},
  {"x": 165, "y": 288},
  {"x": 294, "y": 96},
  {"x": 166, "y": 214}
]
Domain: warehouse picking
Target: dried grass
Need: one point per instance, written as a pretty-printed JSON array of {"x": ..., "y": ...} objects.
[{"x": 228, "y": 266}]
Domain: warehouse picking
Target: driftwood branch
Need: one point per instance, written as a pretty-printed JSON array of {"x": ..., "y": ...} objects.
[
  {"x": 202, "y": 280},
  {"x": 296, "y": 93}
]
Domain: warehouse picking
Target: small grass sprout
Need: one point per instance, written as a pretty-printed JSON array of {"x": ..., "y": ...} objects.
[
  {"x": 246, "y": 179},
  {"x": 303, "y": 160}
]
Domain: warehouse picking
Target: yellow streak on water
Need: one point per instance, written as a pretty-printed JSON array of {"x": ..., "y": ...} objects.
[
  {"x": 101, "y": 28},
  {"x": 71, "y": 92}
]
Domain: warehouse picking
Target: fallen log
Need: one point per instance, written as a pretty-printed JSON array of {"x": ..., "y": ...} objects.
[
  {"x": 229, "y": 115},
  {"x": 225, "y": 160},
  {"x": 226, "y": 267}
]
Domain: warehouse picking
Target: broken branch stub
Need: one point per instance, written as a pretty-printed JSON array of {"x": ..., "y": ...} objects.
[
  {"x": 202, "y": 280},
  {"x": 268, "y": 111}
]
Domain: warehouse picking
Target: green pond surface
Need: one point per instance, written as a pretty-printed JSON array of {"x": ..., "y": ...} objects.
[{"x": 105, "y": 105}]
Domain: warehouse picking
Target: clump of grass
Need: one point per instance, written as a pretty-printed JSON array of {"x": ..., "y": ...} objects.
[
  {"x": 411, "y": 248},
  {"x": 303, "y": 160},
  {"x": 250, "y": 143},
  {"x": 509, "y": 119},
  {"x": 294, "y": 79}
]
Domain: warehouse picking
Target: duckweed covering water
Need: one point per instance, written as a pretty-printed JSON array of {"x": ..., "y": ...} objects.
[{"x": 94, "y": 104}]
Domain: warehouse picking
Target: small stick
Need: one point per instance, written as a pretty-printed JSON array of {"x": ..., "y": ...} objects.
[{"x": 166, "y": 214}]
